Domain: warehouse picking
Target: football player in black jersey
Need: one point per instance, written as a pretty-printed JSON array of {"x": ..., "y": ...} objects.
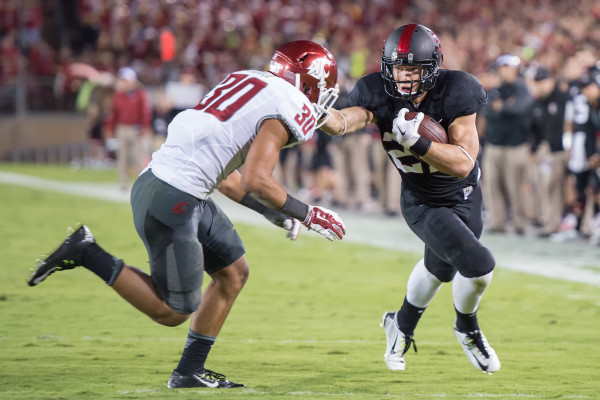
[{"x": 441, "y": 197}]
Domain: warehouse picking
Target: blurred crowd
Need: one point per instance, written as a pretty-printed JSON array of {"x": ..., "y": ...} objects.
[{"x": 67, "y": 55}]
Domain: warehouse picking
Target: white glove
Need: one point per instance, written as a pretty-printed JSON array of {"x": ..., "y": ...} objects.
[
  {"x": 406, "y": 132},
  {"x": 292, "y": 226},
  {"x": 325, "y": 222}
]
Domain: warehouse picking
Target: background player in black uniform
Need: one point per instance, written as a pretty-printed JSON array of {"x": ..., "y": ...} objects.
[{"x": 441, "y": 199}]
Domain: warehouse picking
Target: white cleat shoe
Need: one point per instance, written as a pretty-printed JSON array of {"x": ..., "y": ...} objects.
[
  {"x": 478, "y": 350},
  {"x": 397, "y": 343}
]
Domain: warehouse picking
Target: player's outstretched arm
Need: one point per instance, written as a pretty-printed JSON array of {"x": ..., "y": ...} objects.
[
  {"x": 258, "y": 181},
  {"x": 232, "y": 188},
  {"x": 347, "y": 120}
]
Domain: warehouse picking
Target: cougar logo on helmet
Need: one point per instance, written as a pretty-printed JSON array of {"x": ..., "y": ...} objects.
[
  {"x": 319, "y": 68},
  {"x": 312, "y": 70}
]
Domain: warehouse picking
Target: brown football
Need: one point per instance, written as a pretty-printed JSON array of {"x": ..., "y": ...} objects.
[{"x": 430, "y": 128}]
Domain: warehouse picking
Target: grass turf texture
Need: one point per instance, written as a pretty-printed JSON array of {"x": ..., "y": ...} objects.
[{"x": 305, "y": 326}]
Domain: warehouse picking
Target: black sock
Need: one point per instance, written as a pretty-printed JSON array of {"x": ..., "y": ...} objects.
[
  {"x": 466, "y": 322},
  {"x": 408, "y": 317},
  {"x": 100, "y": 262},
  {"x": 195, "y": 352}
]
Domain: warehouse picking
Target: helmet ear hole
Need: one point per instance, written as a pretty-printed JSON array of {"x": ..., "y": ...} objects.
[{"x": 306, "y": 89}]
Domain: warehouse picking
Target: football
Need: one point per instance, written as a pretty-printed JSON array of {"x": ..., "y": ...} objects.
[{"x": 430, "y": 128}]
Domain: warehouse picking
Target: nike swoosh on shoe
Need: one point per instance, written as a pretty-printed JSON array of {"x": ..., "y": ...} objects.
[
  {"x": 484, "y": 367},
  {"x": 208, "y": 383}
]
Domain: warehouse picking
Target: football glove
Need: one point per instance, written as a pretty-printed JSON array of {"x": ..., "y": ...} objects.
[
  {"x": 406, "y": 132},
  {"x": 292, "y": 226},
  {"x": 325, "y": 222}
]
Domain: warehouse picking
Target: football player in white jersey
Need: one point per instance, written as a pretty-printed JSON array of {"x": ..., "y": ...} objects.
[{"x": 245, "y": 120}]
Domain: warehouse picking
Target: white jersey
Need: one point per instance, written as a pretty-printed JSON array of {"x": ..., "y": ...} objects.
[
  {"x": 578, "y": 159},
  {"x": 206, "y": 144}
]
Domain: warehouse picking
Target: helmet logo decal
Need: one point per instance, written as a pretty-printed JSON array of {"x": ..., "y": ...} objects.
[
  {"x": 436, "y": 39},
  {"x": 319, "y": 68},
  {"x": 406, "y": 38},
  {"x": 394, "y": 55},
  {"x": 410, "y": 57}
]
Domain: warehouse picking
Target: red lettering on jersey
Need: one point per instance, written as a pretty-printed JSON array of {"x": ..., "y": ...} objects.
[
  {"x": 231, "y": 87},
  {"x": 305, "y": 119}
]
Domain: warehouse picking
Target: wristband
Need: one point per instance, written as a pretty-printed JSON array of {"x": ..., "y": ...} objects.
[
  {"x": 274, "y": 216},
  {"x": 421, "y": 146},
  {"x": 295, "y": 208},
  {"x": 253, "y": 204}
]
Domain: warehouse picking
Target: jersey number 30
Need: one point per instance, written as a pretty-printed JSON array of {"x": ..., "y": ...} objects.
[
  {"x": 230, "y": 95},
  {"x": 306, "y": 119}
]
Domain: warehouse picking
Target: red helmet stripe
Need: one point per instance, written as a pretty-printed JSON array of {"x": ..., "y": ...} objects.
[{"x": 405, "y": 38}]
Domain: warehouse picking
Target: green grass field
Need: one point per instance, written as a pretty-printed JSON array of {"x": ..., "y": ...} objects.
[{"x": 305, "y": 327}]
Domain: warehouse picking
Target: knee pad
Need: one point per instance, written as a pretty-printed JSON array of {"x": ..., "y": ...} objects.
[
  {"x": 184, "y": 302},
  {"x": 478, "y": 263}
]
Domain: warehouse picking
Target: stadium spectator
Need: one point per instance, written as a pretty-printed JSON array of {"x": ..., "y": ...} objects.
[
  {"x": 549, "y": 126},
  {"x": 507, "y": 147},
  {"x": 9, "y": 60},
  {"x": 386, "y": 179},
  {"x": 97, "y": 112},
  {"x": 441, "y": 198},
  {"x": 184, "y": 231},
  {"x": 130, "y": 124},
  {"x": 351, "y": 161},
  {"x": 325, "y": 187},
  {"x": 216, "y": 38},
  {"x": 183, "y": 93},
  {"x": 584, "y": 159}
]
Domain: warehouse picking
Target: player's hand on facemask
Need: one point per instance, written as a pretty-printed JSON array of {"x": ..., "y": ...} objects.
[
  {"x": 406, "y": 132},
  {"x": 325, "y": 222}
]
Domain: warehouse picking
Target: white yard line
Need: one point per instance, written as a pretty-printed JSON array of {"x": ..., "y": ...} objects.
[{"x": 575, "y": 262}]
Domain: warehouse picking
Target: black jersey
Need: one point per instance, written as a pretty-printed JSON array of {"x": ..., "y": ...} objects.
[
  {"x": 455, "y": 94},
  {"x": 548, "y": 117}
]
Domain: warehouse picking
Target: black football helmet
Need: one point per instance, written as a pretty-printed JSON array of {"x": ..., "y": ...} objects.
[
  {"x": 592, "y": 75},
  {"x": 416, "y": 46}
]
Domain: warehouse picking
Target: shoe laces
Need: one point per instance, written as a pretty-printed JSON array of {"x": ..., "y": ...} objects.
[
  {"x": 475, "y": 339},
  {"x": 215, "y": 376},
  {"x": 407, "y": 342}
]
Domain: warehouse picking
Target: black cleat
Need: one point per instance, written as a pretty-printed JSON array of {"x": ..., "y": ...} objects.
[
  {"x": 201, "y": 378},
  {"x": 67, "y": 256}
]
